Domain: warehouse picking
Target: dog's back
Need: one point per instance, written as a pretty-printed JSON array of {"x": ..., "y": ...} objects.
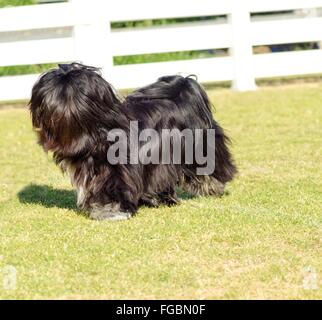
[{"x": 181, "y": 102}]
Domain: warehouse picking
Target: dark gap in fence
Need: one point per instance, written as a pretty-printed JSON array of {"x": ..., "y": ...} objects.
[
  {"x": 50, "y": 1},
  {"x": 159, "y": 22},
  {"x": 271, "y": 13},
  {"x": 301, "y": 13},
  {"x": 170, "y": 56},
  {"x": 286, "y": 47}
]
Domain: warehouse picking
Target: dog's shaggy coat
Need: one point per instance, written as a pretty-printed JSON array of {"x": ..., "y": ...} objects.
[{"x": 73, "y": 108}]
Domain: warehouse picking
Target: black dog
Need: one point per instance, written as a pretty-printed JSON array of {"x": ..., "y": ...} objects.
[{"x": 73, "y": 109}]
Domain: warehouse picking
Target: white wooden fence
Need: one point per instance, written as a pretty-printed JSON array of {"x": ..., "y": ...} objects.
[{"x": 88, "y": 38}]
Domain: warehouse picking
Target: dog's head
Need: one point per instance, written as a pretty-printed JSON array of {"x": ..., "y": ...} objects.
[{"x": 68, "y": 104}]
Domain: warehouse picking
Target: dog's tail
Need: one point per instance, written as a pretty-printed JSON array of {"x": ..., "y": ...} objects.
[{"x": 193, "y": 101}]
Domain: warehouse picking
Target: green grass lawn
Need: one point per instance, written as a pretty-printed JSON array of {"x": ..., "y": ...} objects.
[{"x": 257, "y": 241}]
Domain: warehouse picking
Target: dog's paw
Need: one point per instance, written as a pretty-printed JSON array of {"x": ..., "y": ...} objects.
[
  {"x": 107, "y": 215},
  {"x": 149, "y": 201},
  {"x": 109, "y": 212}
]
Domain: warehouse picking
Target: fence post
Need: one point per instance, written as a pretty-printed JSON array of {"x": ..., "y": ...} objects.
[
  {"x": 91, "y": 34},
  {"x": 241, "y": 50}
]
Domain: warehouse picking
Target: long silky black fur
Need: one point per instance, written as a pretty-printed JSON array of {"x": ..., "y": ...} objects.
[{"x": 72, "y": 108}]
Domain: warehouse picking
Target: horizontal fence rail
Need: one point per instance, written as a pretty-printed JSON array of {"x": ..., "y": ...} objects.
[
  {"x": 171, "y": 38},
  {"x": 93, "y": 41}
]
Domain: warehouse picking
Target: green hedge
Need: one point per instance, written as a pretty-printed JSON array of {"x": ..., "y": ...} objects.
[
  {"x": 5, "y": 3},
  {"x": 27, "y": 69}
]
